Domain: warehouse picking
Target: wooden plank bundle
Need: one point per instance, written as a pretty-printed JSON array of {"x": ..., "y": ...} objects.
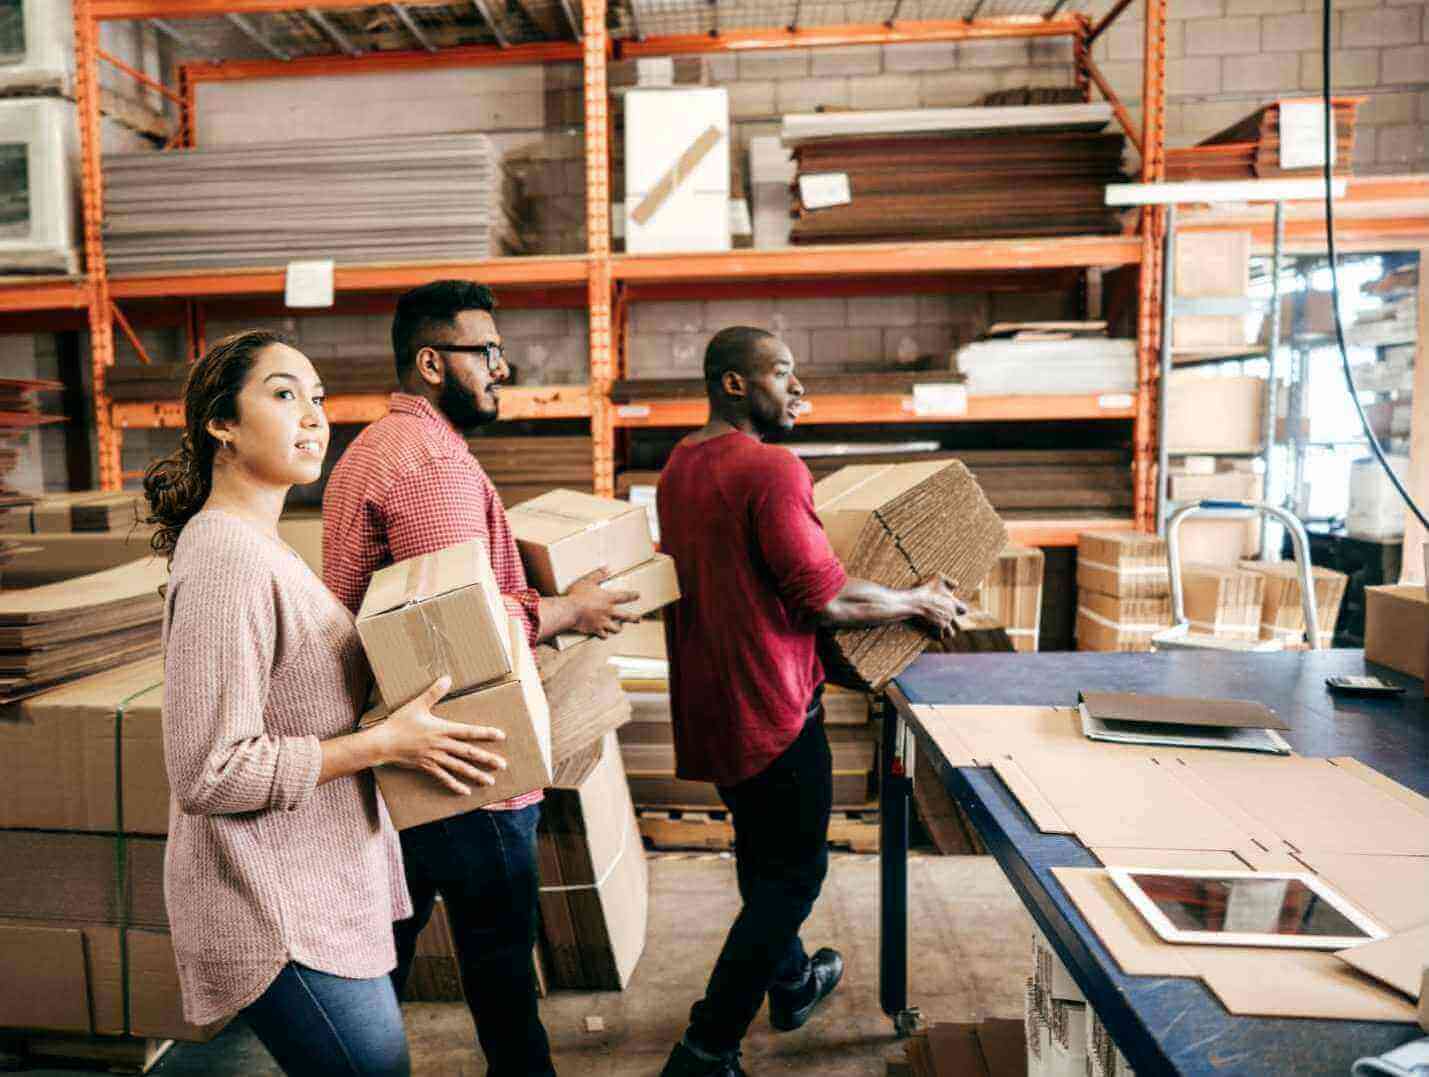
[
  {"x": 1250, "y": 149},
  {"x": 957, "y": 173},
  {"x": 417, "y": 198},
  {"x": 898, "y": 525}
]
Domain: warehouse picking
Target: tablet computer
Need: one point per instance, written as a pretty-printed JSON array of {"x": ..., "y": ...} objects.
[{"x": 1245, "y": 908}]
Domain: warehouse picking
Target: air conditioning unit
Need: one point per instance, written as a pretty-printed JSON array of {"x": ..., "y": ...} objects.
[
  {"x": 36, "y": 46},
  {"x": 39, "y": 185}
]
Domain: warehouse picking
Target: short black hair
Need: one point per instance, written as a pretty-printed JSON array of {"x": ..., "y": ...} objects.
[
  {"x": 432, "y": 306},
  {"x": 735, "y": 348}
]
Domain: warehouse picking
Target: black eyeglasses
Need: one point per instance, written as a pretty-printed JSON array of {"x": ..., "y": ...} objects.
[{"x": 493, "y": 353}]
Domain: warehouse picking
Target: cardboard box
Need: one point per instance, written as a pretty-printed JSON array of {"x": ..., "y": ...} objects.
[
  {"x": 1012, "y": 593},
  {"x": 52, "y": 558},
  {"x": 1227, "y": 485},
  {"x": 564, "y": 535},
  {"x": 1281, "y": 616},
  {"x": 1109, "y": 623},
  {"x": 1214, "y": 415},
  {"x": 1224, "y": 602},
  {"x": 1211, "y": 265},
  {"x": 583, "y": 694},
  {"x": 441, "y": 613},
  {"x": 898, "y": 524},
  {"x": 518, "y": 707},
  {"x": 656, "y": 582},
  {"x": 595, "y": 889},
  {"x": 1128, "y": 564},
  {"x": 1396, "y": 627}
]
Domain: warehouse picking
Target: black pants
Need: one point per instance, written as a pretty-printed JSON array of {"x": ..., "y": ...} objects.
[
  {"x": 781, "y": 850},
  {"x": 483, "y": 864}
]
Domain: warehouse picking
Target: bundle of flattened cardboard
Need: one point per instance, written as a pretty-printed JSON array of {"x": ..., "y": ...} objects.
[
  {"x": 1012, "y": 593},
  {"x": 990, "y": 1048},
  {"x": 1365, "y": 835},
  {"x": 1123, "y": 590},
  {"x": 62, "y": 631},
  {"x": 897, "y": 525}
]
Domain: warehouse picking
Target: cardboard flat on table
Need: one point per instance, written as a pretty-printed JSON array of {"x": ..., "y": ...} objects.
[
  {"x": 1128, "y": 564},
  {"x": 1392, "y": 886},
  {"x": 1180, "y": 710},
  {"x": 564, "y": 535},
  {"x": 441, "y": 613},
  {"x": 1223, "y": 738},
  {"x": 518, "y": 707},
  {"x": 655, "y": 582},
  {"x": 1398, "y": 961},
  {"x": 1248, "y": 981},
  {"x": 1396, "y": 627},
  {"x": 595, "y": 888},
  {"x": 897, "y": 525}
]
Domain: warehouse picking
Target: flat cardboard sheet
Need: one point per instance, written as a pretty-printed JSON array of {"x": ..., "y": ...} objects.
[
  {"x": 1248, "y": 981},
  {"x": 1400, "y": 960},
  {"x": 1181, "y": 710}
]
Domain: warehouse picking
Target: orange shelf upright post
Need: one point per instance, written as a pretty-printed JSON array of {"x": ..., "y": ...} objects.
[
  {"x": 597, "y": 212},
  {"x": 1149, "y": 306}
]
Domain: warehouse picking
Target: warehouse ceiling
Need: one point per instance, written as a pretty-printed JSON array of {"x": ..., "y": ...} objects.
[{"x": 424, "y": 24}]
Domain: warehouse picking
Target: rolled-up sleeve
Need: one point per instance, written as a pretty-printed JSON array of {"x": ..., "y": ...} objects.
[
  {"x": 221, "y": 648},
  {"x": 807, "y": 572}
]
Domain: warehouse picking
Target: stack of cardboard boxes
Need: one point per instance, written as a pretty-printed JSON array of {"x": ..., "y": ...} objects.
[
  {"x": 1282, "y": 617},
  {"x": 1123, "y": 590},
  {"x": 1056, "y": 1016},
  {"x": 1012, "y": 593}
]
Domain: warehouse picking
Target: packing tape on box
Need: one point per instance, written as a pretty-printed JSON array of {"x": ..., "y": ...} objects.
[
  {"x": 587, "y": 524},
  {"x": 421, "y": 575},
  {"x": 429, "y": 644},
  {"x": 121, "y": 849},
  {"x": 1120, "y": 626},
  {"x": 1221, "y": 626},
  {"x": 1126, "y": 570},
  {"x": 604, "y": 875}
]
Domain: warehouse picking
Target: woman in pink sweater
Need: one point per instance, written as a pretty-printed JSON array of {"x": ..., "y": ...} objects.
[{"x": 283, "y": 873}]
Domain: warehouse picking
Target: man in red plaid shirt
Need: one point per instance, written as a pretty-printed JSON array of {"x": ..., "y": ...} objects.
[{"x": 409, "y": 486}]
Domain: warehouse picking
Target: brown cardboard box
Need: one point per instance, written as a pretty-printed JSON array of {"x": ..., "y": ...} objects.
[
  {"x": 1012, "y": 593},
  {"x": 1129, "y": 564},
  {"x": 583, "y": 693},
  {"x": 517, "y": 706},
  {"x": 595, "y": 890},
  {"x": 1211, "y": 265},
  {"x": 1109, "y": 623},
  {"x": 1222, "y": 601},
  {"x": 87, "y": 510},
  {"x": 1227, "y": 485},
  {"x": 1396, "y": 626},
  {"x": 1213, "y": 415},
  {"x": 1219, "y": 540},
  {"x": 564, "y": 535},
  {"x": 898, "y": 524},
  {"x": 1281, "y": 616},
  {"x": 655, "y": 581},
  {"x": 441, "y": 613}
]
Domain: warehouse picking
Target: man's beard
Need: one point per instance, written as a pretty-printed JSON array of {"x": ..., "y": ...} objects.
[{"x": 462, "y": 407}]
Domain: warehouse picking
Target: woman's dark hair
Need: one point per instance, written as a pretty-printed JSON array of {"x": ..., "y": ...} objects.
[{"x": 177, "y": 486}]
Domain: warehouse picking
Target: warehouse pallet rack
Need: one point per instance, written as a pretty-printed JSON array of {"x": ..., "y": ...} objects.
[{"x": 606, "y": 284}]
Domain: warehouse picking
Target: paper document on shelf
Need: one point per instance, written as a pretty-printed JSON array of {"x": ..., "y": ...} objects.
[
  {"x": 824, "y": 190},
  {"x": 1302, "y": 135},
  {"x": 940, "y": 399},
  {"x": 309, "y": 283}
]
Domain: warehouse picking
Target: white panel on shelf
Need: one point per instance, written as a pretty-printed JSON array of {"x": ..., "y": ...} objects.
[
  {"x": 39, "y": 173},
  {"x": 660, "y": 126}
]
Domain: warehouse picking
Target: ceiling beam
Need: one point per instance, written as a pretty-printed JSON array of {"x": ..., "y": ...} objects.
[
  {"x": 405, "y": 18},
  {"x": 251, "y": 32},
  {"x": 484, "y": 10},
  {"x": 337, "y": 37}
]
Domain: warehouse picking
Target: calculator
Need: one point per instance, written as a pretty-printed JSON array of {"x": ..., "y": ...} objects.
[{"x": 1361, "y": 686}]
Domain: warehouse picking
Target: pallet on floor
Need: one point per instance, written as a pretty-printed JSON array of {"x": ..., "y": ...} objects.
[
  {"x": 855, "y": 829},
  {"x": 111, "y": 1054}
]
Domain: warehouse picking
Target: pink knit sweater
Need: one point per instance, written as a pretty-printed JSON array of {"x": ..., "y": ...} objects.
[{"x": 264, "y": 867}]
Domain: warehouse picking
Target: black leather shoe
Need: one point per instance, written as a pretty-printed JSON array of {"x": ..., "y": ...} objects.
[
  {"x": 791, "y": 1008},
  {"x": 683, "y": 1062}
]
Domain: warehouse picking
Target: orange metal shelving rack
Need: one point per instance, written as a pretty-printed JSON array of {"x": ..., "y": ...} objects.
[{"x": 611, "y": 282}]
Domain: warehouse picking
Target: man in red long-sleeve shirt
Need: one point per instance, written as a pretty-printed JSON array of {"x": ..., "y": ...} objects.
[
  {"x": 757, "y": 579},
  {"x": 409, "y": 486}
]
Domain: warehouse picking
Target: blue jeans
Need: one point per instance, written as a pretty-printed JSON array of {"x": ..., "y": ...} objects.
[
  {"x": 319, "y": 1025},
  {"x": 483, "y": 864}
]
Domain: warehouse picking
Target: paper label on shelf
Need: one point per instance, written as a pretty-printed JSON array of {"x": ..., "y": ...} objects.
[
  {"x": 822, "y": 190},
  {"x": 633, "y": 411},
  {"x": 803, "y": 407},
  {"x": 309, "y": 284},
  {"x": 1302, "y": 135},
  {"x": 1116, "y": 400},
  {"x": 940, "y": 399}
]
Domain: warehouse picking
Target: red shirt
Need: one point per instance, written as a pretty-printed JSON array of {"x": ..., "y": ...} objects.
[
  {"x": 755, "y": 568},
  {"x": 407, "y": 486}
]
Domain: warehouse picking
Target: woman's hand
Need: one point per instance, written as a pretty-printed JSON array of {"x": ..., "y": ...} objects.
[{"x": 450, "y": 752}]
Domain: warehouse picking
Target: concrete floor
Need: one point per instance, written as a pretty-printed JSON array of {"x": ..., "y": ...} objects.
[{"x": 968, "y": 938}]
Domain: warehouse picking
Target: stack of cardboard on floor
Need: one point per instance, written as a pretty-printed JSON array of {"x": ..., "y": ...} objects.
[
  {"x": 988, "y": 1048},
  {"x": 898, "y": 525},
  {"x": 1282, "y": 618},
  {"x": 1056, "y": 1017},
  {"x": 63, "y": 631},
  {"x": 1123, "y": 590},
  {"x": 1012, "y": 594}
]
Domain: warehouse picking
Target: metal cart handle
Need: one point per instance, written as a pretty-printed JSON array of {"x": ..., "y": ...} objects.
[{"x": 1298, "y": 540}]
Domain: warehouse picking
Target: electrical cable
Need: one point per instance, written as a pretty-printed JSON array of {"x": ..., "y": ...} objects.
[{"x": 1329, "y": 136}]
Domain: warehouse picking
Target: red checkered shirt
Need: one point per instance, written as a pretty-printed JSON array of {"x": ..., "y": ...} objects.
[{"x": 408, "y": 486}]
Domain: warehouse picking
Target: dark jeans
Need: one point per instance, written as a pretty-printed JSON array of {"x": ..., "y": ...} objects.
[
  {"x": 483, "y": 864},
  {"x": 319, "y": 1025},
  {"x": 781, "y": 850}
]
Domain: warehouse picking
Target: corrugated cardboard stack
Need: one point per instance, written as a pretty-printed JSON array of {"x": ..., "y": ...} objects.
[
  {"x": 523, "y": 468},
  {"x": 1056, "y": 1013},
  {"x": 583, "y": 693},
  {"x": 898, "y": 525},
  {"x": 1223, "y": 602},
  {"x": 594, "y": 881},
  {"x": 1281, "y": 615},
  {"x": 1251, "y": 147},
  {"x": 1012, "y": 593},
  {"x": 1123, "y": 590},
  {"x": 993, "y": 1047}
]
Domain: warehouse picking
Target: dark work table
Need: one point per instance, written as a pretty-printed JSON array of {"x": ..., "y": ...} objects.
[{"x": 1161, "y": 1024}]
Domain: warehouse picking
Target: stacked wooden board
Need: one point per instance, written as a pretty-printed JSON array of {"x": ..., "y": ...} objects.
[
  {"x": 419, "y": 198},
  {"x": 1251, "y": 148},
  {"x": 954, "y": 173}
]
